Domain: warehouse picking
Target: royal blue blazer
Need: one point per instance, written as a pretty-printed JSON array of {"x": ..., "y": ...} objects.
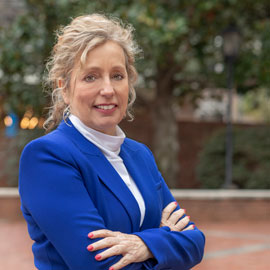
[{"x": 68, "y": 188}]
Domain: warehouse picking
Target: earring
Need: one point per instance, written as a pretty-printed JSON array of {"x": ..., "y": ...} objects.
[{"x": 66, "y": 113}]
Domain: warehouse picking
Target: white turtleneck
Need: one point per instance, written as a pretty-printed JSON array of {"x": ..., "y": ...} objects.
[{"x": 110, "y": 147}]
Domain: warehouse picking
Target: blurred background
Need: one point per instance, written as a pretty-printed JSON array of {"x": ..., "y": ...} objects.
[
  {"x": 200, "y": 60},
  {"x": 203, "y": 100}
]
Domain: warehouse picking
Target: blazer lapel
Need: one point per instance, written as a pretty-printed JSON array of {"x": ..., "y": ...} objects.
[
  {"x": 142, "y": 176},
  {"x": 107, "y": 174}
]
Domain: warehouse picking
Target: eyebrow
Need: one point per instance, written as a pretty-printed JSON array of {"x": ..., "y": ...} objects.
[{"x": 89, "y": 68}]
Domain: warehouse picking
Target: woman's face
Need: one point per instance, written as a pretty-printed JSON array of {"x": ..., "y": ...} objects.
[{"x": 98, "y": 93}]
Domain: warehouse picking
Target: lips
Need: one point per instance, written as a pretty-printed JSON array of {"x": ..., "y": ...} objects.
[{"x": 106, "y": 107}]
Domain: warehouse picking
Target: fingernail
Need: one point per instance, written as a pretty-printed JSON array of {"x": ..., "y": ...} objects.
[
  {"x": 184, "y": 210},
  {"x": 111, "y": 268},
  {"x": 175, "y": 203},
  {"x": 90, "y": 247},
  {"x": 188, "y": 217},
  {"x": 90, "y": 235},
  {"x": 98, "y": 257},
  {"x": 193, "y": 226}
]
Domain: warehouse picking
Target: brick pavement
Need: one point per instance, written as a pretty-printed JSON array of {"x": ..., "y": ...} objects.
[
  {"x": 15, "y": 246},
  {"x": 238, "y": 246}
]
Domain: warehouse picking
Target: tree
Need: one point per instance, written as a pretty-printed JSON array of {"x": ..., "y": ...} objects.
[{"x": 181, "y": 43}]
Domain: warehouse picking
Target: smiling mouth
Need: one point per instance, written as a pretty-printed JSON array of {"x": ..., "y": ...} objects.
[{"x": 105, "y": 107}]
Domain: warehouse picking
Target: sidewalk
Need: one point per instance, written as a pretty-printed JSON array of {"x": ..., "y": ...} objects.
[
  {"x": 234, "y": 246},
  {"x": 15, "y": 246},
  {"x": 236, "y": 225}
]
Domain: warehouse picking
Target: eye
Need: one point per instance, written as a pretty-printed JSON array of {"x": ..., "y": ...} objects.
[
  {"x": 118, "y": 77},
  {"x": 90, "y": 78}
]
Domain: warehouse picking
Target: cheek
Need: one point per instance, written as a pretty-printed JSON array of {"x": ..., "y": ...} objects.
[
  {"x": 125, "y": 94},
  {"x": 83, "y": 98},
  {"x": 126, "y": 97},
  {"x": 124, "y": 102}
]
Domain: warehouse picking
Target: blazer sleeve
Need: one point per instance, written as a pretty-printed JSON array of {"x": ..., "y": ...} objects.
[
  {"x": 53, "y": 192},
  {"x": 173, "y": 250}
]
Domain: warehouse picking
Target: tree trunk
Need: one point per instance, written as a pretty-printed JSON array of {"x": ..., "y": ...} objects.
[{"x": 166, "y": 142}]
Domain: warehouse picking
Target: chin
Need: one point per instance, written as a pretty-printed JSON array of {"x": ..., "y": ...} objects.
[{"x": 107, "y": 129}]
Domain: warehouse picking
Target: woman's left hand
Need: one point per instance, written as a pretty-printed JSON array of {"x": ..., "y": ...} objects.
[
  {"x": 130, "y": 246},
  {"x": 175, "y": 220}
]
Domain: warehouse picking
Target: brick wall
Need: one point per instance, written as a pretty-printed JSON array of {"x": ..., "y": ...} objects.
[
  {"x": 192, "y": 136},
  {"x": 200, "y": 210},
  {"x": 221, "y": 210},
  {"x": 206, "y": 208},
  {"x": 3, "y": 157}
]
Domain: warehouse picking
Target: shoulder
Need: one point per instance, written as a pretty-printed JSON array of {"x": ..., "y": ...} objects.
[
  {"x": 142, "y": 156},
  {"x": 136, "y": 146},
  {"x": 140, "y": 149},
  {"x": 54, "y": 138},
  {"x": 54, "y": 143}
]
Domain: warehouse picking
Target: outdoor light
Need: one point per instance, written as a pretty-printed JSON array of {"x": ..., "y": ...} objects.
[
  {"x": 11, "y": 121},
  {"x": 231, "y": 46},
  {"x": 8, "y": 121},
  {"x": 24, "y": 123},
  {"x": 231, "y": 43},
  {"x": 33, "y": 122}
]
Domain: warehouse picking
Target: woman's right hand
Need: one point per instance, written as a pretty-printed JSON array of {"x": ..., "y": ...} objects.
[
  {"x": 174, "y": 219},
  {"x": 130, "y": 246}
]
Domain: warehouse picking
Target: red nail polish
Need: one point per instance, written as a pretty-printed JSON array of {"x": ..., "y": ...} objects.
[
  {"x": 111, "y": 268},
  {"x": 193, "y": 226},
  {"x": 175, "y": 203},
  {"x": 98, "y": 257},
  {"x": 90, "y": 235},
  {"x": 90, "y": 247},
  {"x": 184, "y": 210}
]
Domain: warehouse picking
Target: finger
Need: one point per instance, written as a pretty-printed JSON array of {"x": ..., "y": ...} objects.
[
  {"x": 112, "y": 251},
  {"x": 176, "y": 215},
  {"x": 182, "y": 223},
  {"x": 101, "y": 234},
  {"x": 103, "y": 243},
  {"x": 124, "y": 261},
  {"x": 168, "y": 210},
  {"x": 190, "y": 227}
]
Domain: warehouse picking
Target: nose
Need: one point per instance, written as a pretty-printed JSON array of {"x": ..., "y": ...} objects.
[{"x": 107, "y": 89}]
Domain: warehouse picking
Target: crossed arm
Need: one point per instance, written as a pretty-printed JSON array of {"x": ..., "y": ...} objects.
[
  {"x": 131, "y": 246},
  {"x": 54, "y": 197}
]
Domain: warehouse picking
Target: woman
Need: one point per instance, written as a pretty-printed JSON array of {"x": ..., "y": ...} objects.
[{"x": 92, "y": 198}]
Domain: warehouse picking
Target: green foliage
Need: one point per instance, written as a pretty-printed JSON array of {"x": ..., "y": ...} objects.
[
  {"x": 21, "y": 65},
  {"x": 25, "y": 46},
  {"x": 256, "y": 105},
  {"x": 251, "y": 155},
  {"x": 177, "y": 37}
]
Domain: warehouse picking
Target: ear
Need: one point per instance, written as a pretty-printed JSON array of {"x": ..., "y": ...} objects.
[
  {"x": 65, "y": 96},
  {"x": 60, "y": 83},
  {"x": 64, "y": 91}
]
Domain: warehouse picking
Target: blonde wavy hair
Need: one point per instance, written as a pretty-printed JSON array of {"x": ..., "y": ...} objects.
[{"x": 74, "y": 41}]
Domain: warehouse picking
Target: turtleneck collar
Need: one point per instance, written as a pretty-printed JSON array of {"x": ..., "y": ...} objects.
[{"x": 108, "y": 144}]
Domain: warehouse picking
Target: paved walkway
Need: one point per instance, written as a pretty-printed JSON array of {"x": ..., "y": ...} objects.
[
  {"x": 237, "y": 246},
  {"x": 15, "y": 246}
]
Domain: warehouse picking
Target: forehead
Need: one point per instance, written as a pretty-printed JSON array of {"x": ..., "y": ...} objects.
[{"x": 108, "y": 54}]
